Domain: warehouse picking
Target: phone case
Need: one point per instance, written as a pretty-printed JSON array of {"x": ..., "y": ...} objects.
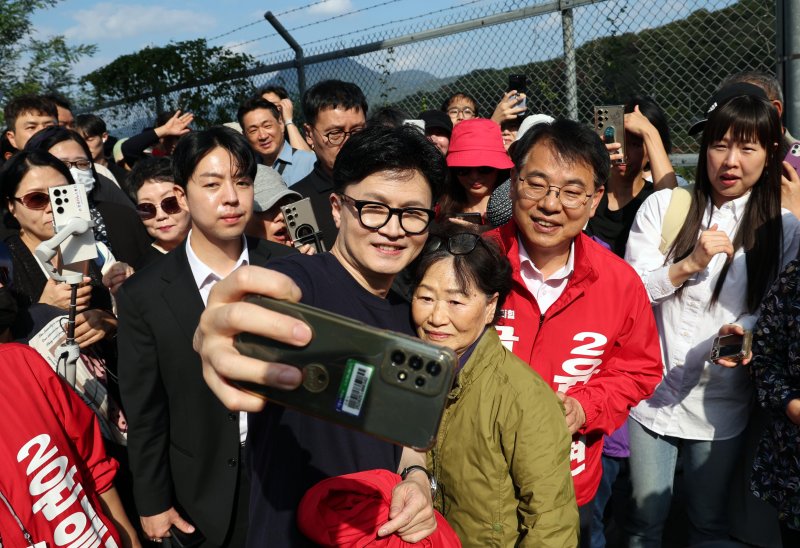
[
  {"x": 302, "y": 223},
  {"x": 185, "y": 540},
  {"x": 609, "y": 124},
  {"x": 518, "y": 82},
  {"x": 732, "y": 347},
  {"x": 69, "y": 202},
  {"x": 793, "y": 156},
  {"x": 386, "y": 384}
]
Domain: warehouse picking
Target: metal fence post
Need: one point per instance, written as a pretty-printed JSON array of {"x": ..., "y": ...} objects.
[
  {"x": 298, "y": 51},
  {"x": 788, "y": 50},
  {"x": 570, "y": 71}
]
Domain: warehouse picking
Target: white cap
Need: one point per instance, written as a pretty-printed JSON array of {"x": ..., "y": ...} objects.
[{"x": 532, "y": 120}]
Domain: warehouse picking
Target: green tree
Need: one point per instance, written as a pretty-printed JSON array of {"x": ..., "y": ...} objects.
[
  {"x": 34, "y": 65},
  {"x": 189, "y": 75}
]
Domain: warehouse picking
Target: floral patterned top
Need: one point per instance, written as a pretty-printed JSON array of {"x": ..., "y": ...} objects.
[{"x": 776, "y": 372}]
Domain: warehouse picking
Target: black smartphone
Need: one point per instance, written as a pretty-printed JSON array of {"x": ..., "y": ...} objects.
[
  {"x": 732, "y": 347},
  {"x": 185, "y": 540},
  {"x": 518, "y": 82},
  {"x": 470, "y": 217},
  {"x": 385, "y": 384}
]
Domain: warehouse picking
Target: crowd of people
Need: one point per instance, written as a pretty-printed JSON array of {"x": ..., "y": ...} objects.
[{"x": 580, "y": 283}]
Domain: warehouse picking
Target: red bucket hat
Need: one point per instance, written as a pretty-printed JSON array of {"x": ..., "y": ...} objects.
[
  {"x": 348, "y": 511},
  {"x": 477, "y": 142}
]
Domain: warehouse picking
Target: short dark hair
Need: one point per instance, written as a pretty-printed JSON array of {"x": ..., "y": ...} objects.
[
  {"x": 460, "y": 95},
  {"x": 51, "y": 136},
  {"x": 332, "y": 94},
  {"x": 255, "y": 103},
  {"x": 380, "y": 148},
  {"x": 486, "y": 266},
  {"x": 388, "y": 116},
  {"x": 28, "y": 103},
  {"x": 155, "y": 168},
  {"x": 571, "y": 142},
  {"x": 58, "y": 100},
  {"x": 194, "y": 146},
  {"x": 20, "y": 164},
  {"x": 90, "y": 124},
  {"x": 764, "y": 80},
  {"x": 650, "y": 109},
  {"x": 280, "y": 91}
]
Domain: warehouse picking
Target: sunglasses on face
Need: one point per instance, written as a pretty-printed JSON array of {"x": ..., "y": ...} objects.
[
  {"x": 34, "y": 200},
  {"x": 168, "y": 205},
  {"x": 483, "y": 170}
]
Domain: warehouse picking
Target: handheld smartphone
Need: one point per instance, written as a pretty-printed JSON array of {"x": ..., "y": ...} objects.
[
  {"x": 69, "y": 202},
  {"x": 793, "y": 156},
  {"x": 732, "y": 347},
  {"x": 385, "y": 384},
  {"x": 302, "y": 224},
  {"x": 180, "y": 539},
  {"x": 609, "y": 124},
  {"x": 518, "y": 82},
  {"x": 471, "y": 217}
]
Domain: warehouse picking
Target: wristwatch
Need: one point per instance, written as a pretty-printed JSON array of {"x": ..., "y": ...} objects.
[
  {"x": 407, "y": 470},
  {"x": 288, "y": 122}
]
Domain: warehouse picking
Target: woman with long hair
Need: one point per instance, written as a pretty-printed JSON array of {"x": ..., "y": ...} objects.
[{"x": 710, "y": 280}]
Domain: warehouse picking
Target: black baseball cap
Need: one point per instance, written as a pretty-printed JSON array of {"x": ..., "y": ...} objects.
[
  {"x": 722, "y": 96},
  {"x": 437, "y": 119}
]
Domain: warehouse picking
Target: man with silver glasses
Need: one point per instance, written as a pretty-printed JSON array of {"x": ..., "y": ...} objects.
[{"x": 333, "y": 110}]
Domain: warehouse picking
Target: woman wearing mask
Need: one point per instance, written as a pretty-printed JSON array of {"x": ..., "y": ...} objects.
[
  {"x": 115, "y": 225},
  {"x": 501, "y": 459},
  {"x": 478, "y": 163},
  {"x": 711, "y": 280}
]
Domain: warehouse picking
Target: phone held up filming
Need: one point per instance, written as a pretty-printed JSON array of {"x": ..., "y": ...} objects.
[
  {"x": 732, "y": 347},
  {"x": 385, "y": 384}
]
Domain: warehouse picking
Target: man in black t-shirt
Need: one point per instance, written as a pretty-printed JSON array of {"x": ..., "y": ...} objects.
[{"x": 386, "y": 182}]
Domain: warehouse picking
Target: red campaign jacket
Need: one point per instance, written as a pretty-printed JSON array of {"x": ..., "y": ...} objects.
[
  {"x": 52, "y": 460},
  {"x": 598, "y": 343}
]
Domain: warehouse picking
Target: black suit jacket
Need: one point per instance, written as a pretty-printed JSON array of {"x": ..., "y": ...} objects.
[{"x": 183, "y": 443}]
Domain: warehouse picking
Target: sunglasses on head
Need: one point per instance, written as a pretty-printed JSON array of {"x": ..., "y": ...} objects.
[
  {"x": 483, "y": 170},
  {"x": 147, "y": 211},
  {"x": 34, "y": 200}
]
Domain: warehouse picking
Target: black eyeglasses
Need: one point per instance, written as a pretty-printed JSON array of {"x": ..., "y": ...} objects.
[
  {"x": 34, "y": 200},
  {"x": 462, "y": 243},
  {"x": 374, "y": 215},
  {"x": 338, "y": 136},
  {"x": 147, "y": 211},
  {"x": 83, "y": 165},
  {"x": 483, "y": 170}
]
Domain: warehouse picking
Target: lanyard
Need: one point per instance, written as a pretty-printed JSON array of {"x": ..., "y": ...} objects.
[{"x": 25, "y": 532}]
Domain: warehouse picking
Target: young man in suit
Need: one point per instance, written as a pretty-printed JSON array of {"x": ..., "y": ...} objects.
[{"x": 185, "y": 448}]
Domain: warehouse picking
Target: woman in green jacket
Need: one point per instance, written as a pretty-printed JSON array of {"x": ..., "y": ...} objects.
[{"x": 502, "y": 456}]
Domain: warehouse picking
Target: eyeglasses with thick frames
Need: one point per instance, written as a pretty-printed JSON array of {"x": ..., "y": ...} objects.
[
  {"x": 571, "y": 196},
  {"x": 336, "y": 137},
  {"x": 147, "y": 211},
  {"x": 462, "y": 243},
  {"x": 34, "y": 200},
  {"x": 375, "y": 215},
  {"x": 466, "y": 112},
  {"x": 83, "y": 165}
]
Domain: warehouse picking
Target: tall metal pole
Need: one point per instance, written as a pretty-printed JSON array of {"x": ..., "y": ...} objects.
[
  {"x": 570, "y": 70},
  {"x": 789, "y": 60},
  {"x": 298, "y": 51}
]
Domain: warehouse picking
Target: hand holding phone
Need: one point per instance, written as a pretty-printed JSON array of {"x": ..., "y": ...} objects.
[
  {"x": 609, "y": 124},
  {"x": 518, "y": 83},
  {"x": 732, "y": 347}
]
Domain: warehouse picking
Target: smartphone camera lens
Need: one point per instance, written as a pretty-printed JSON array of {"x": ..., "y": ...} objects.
[
  {"x": 433, "y": 368},
  {"x": 398, "y": 357},
  {"x": 58, "y": 201},
  {"x": 402, "y": 376},
  {"x": 420, "y": 381},
  {"x": 415, "y": 362},
  {"x": 60, "y": 210}
]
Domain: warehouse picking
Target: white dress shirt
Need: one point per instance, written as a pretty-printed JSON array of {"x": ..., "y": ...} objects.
[
  {"x": 697, "y": 399},
  {"x": 545, "y": 291},
  {"x": 205, "y": 278}
]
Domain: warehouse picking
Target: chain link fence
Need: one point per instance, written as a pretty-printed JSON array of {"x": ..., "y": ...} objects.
[{"x": 676, "y": 52}]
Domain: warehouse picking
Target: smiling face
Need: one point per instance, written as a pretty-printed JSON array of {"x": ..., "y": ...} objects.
[
  {"x": 264, "y": 133},
  {"x": 547, "y": 228},
  {"x": 219, "y": 199},
  {"x": 374, "y": 256},
  {"x": 36, "y": 225},
  {"x": 168, "y": 229},
  {"x": 446, "y": 314},
  {"x": 733, "y": 167}
]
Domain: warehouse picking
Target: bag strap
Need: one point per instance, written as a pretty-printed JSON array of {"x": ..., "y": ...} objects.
[{"x": 674, "y": 217}]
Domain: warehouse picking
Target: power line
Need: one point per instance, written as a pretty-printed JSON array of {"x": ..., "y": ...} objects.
[
  {"x": 237, "y": 29},
  {"x": 236, "y": 45},
  {"x": 381, "y": 4},
  {"x": 312, "y": 4}
]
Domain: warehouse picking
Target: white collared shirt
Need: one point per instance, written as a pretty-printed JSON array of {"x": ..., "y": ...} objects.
[
  {"x": 205, "y": 278},
  {"x": 545, "y": 291},
  {"x": 697, "y": 399}
]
